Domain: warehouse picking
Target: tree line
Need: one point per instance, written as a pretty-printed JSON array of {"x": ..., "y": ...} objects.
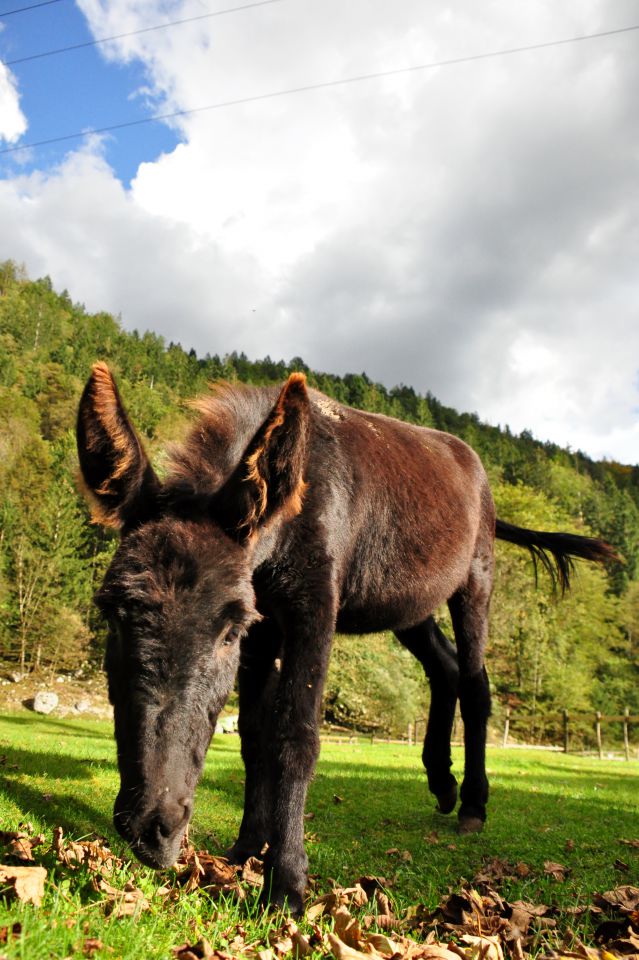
[{"x": 545, "y": 654}]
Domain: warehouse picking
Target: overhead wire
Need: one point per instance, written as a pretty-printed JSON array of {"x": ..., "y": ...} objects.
[
  {"x": 323, "y": 85},
  {"x": 134, "y": 33},
  {"x": 33, "y": 6}
]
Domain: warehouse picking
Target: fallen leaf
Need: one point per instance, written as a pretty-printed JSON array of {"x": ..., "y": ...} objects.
[
  {"x": 337, "y": 799},
  {"x": 12, "y": 932},
  {"x": 621, "y": 866},
  {"x": 556, "y": 870},
  {"x": 630, "y": 843},
  {"x": 342, "y": 951},
  {"x": 253, "y": 872},
  {"x": 91, "y": 945},
  {"x": 127, "y": 902},
  {"x": 300, "y": 943},
  {"x": 202, "y": 950},
  {"x": 382, "y": 944},
  {"x": 484, "y": 948},
  {"x": 371, "y": 884},
  {"x": 27, "y": 883},
  {"x": 625, "y": 899}
]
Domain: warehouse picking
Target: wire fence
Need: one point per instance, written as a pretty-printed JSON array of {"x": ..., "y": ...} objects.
[{"x": 571, "y": 732}]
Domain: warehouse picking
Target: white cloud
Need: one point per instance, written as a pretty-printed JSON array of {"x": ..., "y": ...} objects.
[
  {"x": 470, "y": 230},
  {"x": 12, "y": 121}
]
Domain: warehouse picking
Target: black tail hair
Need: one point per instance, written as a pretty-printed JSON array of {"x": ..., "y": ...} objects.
[{"x": 555, "y": 551}]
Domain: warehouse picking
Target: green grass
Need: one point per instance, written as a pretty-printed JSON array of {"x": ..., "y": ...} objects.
[{"x": 63, "y": 772}]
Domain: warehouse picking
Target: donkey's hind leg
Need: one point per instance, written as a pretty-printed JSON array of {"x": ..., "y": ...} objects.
[
  {"x": 469, "y": 612},
  {"x": 438, "y": 657}
]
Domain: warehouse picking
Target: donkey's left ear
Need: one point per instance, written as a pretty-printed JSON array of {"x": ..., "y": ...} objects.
[
  {"x": 270, "y": 476},
  {"x": 118, "y": 479}
]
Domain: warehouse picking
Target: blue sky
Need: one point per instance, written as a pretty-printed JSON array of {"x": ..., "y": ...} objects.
[
  {"x": 76, "y": 90},
  {"x": 469, "y": 230}
]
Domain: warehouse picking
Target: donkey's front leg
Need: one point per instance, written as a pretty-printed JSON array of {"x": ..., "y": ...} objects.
[
  {"x": 294, "y": 752},
  {"x": 257, "y": 680}
]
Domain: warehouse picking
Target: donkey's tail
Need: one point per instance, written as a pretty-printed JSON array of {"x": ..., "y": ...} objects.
[{"x": 555, "y": 551}]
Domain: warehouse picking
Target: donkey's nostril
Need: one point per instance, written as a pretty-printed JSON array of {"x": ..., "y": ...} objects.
[{"x": 172, "y": 815}]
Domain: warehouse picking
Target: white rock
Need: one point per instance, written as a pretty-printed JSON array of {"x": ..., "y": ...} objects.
[{"x": 45, "y": 701}]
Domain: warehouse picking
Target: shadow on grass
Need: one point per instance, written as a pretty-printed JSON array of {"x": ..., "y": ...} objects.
[
  {"x": 42, "y": 786},
  {"x": 37, "y": 724}
]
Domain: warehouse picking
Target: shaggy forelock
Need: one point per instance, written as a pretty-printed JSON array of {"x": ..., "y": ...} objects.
[{"x": 169, "y": 558}]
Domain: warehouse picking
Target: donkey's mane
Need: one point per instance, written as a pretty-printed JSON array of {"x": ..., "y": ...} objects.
[{"x": 229, "y": 417}]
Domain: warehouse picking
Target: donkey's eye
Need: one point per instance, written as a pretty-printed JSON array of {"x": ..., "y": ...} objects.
[{"x": 234, "y": 634}]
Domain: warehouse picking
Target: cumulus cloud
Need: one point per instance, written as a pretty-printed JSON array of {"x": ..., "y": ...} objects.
[
  {"x": 12, "y": 121},
  {"x": 469, "y": 230}
]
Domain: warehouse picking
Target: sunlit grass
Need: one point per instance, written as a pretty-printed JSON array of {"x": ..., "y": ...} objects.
[{"x": 543, "y": 806}]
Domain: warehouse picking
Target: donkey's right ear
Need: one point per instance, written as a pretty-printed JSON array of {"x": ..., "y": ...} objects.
[{"x": 119, "y": 480}]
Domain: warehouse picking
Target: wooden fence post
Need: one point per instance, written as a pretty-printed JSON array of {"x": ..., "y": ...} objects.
[
  {"x": 598, "y": 734},
  {"x": 626, "y": 739},
  {"x": 566, "y": 732},
  {"x": 410, "y": 734},
  {"x": 506, "y": 727}
]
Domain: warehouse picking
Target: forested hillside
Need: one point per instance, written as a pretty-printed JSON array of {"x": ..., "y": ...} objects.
[{"x": 545, "y": 654}]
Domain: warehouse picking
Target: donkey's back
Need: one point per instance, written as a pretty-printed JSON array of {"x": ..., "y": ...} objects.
[{"x": 408, "y": 509}]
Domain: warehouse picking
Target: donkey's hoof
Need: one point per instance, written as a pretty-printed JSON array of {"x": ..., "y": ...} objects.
[
  {"x": 290, "y": 902},
  {"x": 471, "y": 825},
  {"x": 447, "y": 801}
]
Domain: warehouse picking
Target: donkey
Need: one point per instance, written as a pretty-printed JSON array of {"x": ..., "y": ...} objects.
[{"x": 285, "y": 516}]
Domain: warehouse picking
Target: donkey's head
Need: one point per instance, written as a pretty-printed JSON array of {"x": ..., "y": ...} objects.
[{"x": 178, "y": 596}]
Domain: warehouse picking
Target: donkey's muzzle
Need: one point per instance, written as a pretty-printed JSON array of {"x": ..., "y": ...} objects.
[{"x": 154, "y": 835}]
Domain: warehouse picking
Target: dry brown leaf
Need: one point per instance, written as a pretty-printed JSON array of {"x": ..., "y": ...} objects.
[
  {"x": 625, "y": 899},
  {"x": 127, "y": 902},
  {"x": 19, "y": 844},
  {"x": 300, "y": 943},
  {"x": 91, "y": 945},
  {"x": 26, "y": 883},
  {"x": 10, "y": 933},
  {"x": 202, "y": 950},
  {"x": 253, "y": 872},
  {"x": 383, "y": 904},
  {"x": 382, "y": 944},
  {"x": 348, "y": 928},
  {"x": 342, "y": 951},
  {"x": 630, "y": 843},
  {"x": 431, "y": 951},
  {"x": 370, "y": 883},
  {"x": 483, "y": 948},
  {"x": 556, "y": 870}
]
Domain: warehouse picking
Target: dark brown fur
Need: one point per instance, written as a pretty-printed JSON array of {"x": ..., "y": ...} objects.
[{"x": 284, "y": 517}]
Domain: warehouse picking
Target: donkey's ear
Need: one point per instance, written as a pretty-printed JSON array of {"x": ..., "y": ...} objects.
[
  {"x": 119, "y": 481},
  {"x": 270, "y": 476}
]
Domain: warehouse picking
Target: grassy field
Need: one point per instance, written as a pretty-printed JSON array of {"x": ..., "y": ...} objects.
[{"x": 544, "y": 807}]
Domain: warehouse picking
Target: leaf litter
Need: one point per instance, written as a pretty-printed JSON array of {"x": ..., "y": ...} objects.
[{"x": 473, "y": 922}]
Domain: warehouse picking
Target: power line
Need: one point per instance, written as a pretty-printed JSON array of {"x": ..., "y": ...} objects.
[
  {"x": 323, "y": 86},
  {"x": 44, "y": 3},
  {"x": 134, "y": 33}
]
